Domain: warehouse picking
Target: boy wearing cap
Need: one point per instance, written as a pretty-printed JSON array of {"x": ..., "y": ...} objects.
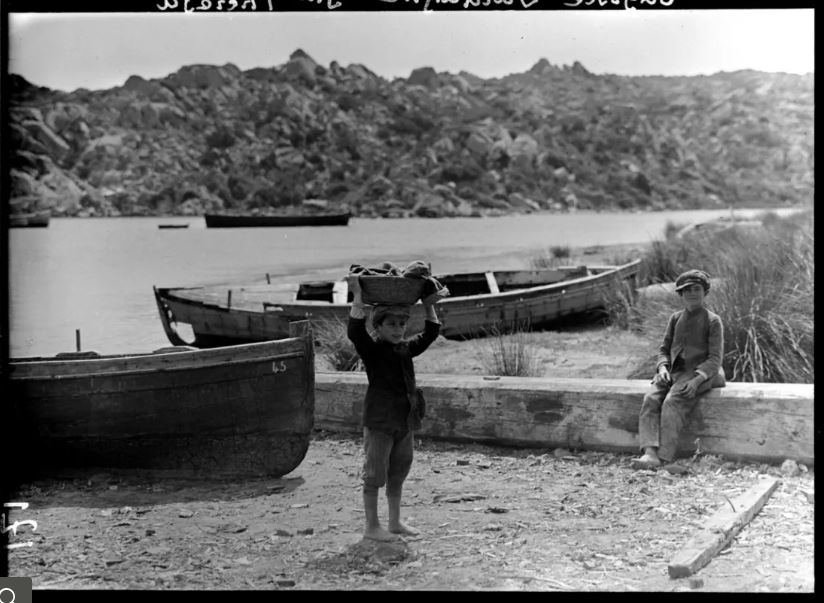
[
  {"x": 389, "y": 406},
  {"x": 688, "y": 365}
]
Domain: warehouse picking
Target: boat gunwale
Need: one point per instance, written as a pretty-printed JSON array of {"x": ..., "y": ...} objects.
[
  {"x": 447, "y": 301},
  {"x": 137, "y": 371}
]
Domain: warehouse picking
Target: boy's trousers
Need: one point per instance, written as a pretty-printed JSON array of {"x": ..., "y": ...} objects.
[
  {"x": 664, "y": 413},
  {"x": 387, "y": 460}
]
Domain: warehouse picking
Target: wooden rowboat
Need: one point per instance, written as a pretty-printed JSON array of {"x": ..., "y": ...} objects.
[
  {"x": 479, "y": 302},
  {"x": 244, "y": 410},
  {"x": 263, "y": 220}
]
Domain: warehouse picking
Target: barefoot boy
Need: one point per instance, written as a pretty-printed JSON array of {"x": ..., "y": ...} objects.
[
  {"x": 689, "y": 364},
  {"x": 389, "y": 403}
]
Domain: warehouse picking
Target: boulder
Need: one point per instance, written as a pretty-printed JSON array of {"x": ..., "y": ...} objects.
[
  {"x": 423, "y": 76},
  {"x": 199, "y": 77},
  {"x": 321, "y": 204},
  {"x": 524, "y": 144},
  {"x": 301, "y": 69},
  {"x": 56, "y": 147},
  {"x": 22, "y": 183},
  {"x": 135, "y": 83},
  {"x": 479, "y": 144}
]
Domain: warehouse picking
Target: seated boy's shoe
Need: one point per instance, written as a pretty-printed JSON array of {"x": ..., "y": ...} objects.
[
  {"x": 646, "y": 462},
  {"x": 676, "y": 468}
]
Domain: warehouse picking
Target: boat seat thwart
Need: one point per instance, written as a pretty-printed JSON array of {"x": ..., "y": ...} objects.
[
  {"x": 340, "y": 292},
  {"x": 493, "y": 284},
  {"x": 174, "y": 348},
  {"x": 77, "y": 355}
]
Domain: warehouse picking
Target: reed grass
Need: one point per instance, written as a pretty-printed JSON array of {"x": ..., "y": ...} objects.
[
  {"x": 551, "y": 257},
  {"x": 508, "y": 352},
  {"x": 332, "y": 341},
  {"x": 763, "y": 292}
]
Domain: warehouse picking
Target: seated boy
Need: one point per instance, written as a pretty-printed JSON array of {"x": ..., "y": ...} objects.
[{"x": 689, "y": 364}]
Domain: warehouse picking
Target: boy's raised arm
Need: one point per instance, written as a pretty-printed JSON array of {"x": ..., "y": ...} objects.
[{"x": 358, "y": 309}]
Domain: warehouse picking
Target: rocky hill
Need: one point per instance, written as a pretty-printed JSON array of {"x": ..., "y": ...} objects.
[{"x": 304, "y": 137}]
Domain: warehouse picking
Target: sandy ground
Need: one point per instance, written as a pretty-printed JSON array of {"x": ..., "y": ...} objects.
[{"x": 490, "y": 518}]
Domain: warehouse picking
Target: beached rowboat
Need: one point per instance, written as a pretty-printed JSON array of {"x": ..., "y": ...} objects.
[
  {"x": 242, "y": 410},
  {"x": 478, "y": 303}
]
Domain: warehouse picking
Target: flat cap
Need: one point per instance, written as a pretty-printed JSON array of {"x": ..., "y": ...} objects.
[{"x": 693, "y": 277}]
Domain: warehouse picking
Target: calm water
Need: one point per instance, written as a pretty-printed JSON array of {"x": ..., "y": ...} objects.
[{"x": 96, "y": 275}]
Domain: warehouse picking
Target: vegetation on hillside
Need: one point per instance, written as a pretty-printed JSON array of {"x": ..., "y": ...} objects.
[{"x": 303, "y": 136}]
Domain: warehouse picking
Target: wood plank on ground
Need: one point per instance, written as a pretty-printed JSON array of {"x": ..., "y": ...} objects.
[{"x": 720, "y": 529}]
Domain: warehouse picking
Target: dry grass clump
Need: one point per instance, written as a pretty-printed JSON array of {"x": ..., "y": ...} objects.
[
  {"x": 508, "y": 352},
  {"x": 551, "y": 258},
  {"x": 333, "y": 344},
  {"x": 764, "y": 297}
]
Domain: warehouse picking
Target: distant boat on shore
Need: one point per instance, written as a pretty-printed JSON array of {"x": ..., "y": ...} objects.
[
  {"x": 39, "y": 219},
  {"x": 263, "y": 220},
  {"x": 173, "y": 226}
]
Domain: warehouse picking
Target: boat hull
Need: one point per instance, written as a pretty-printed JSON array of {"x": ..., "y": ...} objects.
[
  {"x": 239, "y": 411},
  {"x": 255, "y": 315},
  {"x": 230, "y": 221}
]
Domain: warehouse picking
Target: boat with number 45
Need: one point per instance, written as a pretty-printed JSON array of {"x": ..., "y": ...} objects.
[
  {"x": 479, "y": 303},
  {"x": 243, "y": 410}
]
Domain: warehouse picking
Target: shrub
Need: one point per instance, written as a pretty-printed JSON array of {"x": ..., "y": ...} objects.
[
  {"x": 763, "y": 292},
  {"x": 222, "y": 138},
  {"x": 333, "y": 342},
  {"x": 508, "y": 353},
  {"x": 550, "y": 258}
]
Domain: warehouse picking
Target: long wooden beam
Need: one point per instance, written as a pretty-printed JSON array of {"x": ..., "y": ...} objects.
[
  {"x": 720, "y": 529},
  {"x": 754, "y": 422}
]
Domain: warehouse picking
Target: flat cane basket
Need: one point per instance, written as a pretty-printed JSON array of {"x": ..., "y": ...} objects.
[{"x": 390, "y": 290}]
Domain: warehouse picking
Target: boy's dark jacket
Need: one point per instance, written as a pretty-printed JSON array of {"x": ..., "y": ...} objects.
[
  {"x": 391, "y": 392},
  {"x": 698, "y": 337}
]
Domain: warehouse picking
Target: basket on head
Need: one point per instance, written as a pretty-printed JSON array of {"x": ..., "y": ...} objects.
[{"x": 392, "y": 290}]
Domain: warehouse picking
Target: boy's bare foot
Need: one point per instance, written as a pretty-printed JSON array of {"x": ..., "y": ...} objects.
[
  {"x": 402, "y": 528},
  {"x": 646, "y": 462},
  {"x": 380, "y": 534}
]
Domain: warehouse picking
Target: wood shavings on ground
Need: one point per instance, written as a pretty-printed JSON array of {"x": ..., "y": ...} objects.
[{"x": 578, "y": 521}]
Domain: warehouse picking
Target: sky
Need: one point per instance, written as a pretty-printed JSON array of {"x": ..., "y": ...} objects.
[{"x": 99, "y": 50}]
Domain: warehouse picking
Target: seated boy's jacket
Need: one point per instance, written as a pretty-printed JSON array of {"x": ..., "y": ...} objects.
[
  {"x": 694, "y": 342},
  {"x": 391, "y": 374}
]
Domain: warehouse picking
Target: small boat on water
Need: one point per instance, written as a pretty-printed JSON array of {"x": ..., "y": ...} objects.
[
  {"x": 173, "y": 226},
  {"x": 478, "y": 303},
  {"x": 264, "y": 220},
  {"x": 243, "y": 410},
  {"x": 38, "y": 219}
]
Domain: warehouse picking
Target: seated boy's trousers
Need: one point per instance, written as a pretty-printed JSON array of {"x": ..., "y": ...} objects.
[{"x": 664, "y": 413}]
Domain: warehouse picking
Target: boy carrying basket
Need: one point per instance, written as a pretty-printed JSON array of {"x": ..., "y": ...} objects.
[{"x": 391, "y": 406}]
